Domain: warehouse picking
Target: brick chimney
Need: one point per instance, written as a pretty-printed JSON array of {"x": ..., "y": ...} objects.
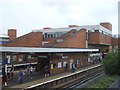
[
  {"x": 73, "y": 25},
  {"x": 12, "y": 33},
  {"x": 47, "y": 28},
  {"x": 106, "y": 25}
]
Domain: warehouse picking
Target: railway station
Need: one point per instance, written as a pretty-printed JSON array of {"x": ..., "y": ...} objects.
[{"x": 58, "y": 49}]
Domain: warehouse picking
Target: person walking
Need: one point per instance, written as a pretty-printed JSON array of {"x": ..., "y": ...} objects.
[
  {"x": 21, "y": 76},
  {"x": 8, "y": 72},
  {"x": 46, "y": 71},
  {"x": 12, "y": 72},
  {"x": 31, "y": 71},
  {"x": 66, "y": 66},
  {"x": 5, "y": 79},
  {"x": 28, "y": 70},
  {"x": 73, "y": 67}
]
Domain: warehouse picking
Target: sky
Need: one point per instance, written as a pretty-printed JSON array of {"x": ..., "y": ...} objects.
[{"x": 28, "y": 15}]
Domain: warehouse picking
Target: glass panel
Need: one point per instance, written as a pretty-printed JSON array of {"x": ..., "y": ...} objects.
[{"x": 14, "y": 58}]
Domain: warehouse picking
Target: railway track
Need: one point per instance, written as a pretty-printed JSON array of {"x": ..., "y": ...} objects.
[
  {"x": 86, "y": 80},
  {"x": 70, "y": 81},
  {"x": 80, "y": 81}
]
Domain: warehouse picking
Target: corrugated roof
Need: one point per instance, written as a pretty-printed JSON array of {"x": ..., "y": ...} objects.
[{"x": 37, "y": 49}]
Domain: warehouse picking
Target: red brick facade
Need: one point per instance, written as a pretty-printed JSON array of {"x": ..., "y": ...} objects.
[
  {"x": 115, "y": 41},
  {"x": 77, "y": 40},
  {"x": 80, "y": 59},
  {"x": 98, "y": 37},
  {"x": 33, "y": 39},
  {"x": 12, "y": 33},
  {"x": 106, "y": 25},
  {"x": 52, "y": 41}
]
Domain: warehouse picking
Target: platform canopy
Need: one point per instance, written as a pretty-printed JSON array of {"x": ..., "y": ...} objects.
[{"x": 38, "y": 49}]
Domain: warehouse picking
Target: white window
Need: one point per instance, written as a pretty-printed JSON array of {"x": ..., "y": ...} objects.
[
  {"x": 59, "y": 64},
  {"x": 64, "y": 64}
]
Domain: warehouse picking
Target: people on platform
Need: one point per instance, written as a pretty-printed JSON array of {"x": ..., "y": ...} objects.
[
  {"x": 66, "y": 66},
  {"x": 73, "y": 67},
  {"x": 12, "y": 72},
  {"x": 5, "y": 83},
  {"x": 20, "y": 79},
  {"x": 8, "y": 72},
  {"x": 46, "y": 71},
  {"x": 30, "y": 71}
]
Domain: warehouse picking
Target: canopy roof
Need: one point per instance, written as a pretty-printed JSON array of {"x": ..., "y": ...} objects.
[{"x": 38, "y": 49}]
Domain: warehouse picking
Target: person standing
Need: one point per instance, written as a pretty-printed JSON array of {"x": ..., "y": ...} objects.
[
  {"x": 21, "y": 76},
  {"x": 66, "y": 66},
  {"x": 8, "y": 72},
  {"x": 28, "y": 70},
  {"x": 73, "y": 67},
  {"x": 46, "y": 71},
  {"x": 5, "y": 80},
  {"x": 12, "y": 72},
  {"x": 31, "y": 70}
]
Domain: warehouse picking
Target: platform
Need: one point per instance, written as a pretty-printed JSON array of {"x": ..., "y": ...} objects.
[{"x": 39, "y": 78}]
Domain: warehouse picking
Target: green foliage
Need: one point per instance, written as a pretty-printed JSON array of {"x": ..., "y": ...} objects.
[
  {"x": 111, "y": 63},
  {"x": 105, "y": 82}
]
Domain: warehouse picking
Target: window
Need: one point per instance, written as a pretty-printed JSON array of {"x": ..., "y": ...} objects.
[
  {"x": 29, "y": 56},
  {"x": 64, "y": 64},
  {"x": 20, "y": 58},
  {"x": 45, "y": 35},
  {"x": 96, "y": 30},
  {"x": 14, "y": 58},
  {"x": 59, "y": 64}
]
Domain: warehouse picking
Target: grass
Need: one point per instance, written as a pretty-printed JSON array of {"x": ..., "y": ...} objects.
[{"x": 105, "y": 82}]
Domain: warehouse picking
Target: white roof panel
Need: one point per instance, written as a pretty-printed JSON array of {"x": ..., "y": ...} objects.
[{"x": 37, "y": 49}]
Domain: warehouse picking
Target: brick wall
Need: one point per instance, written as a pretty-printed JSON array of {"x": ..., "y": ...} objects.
[
  {"x": 115, "y": 41},
  {"x": 12, "y": 33},
  {"x": 82, "y": 59},
  {"x": 33, "y": 39},
  {"x": 77, "y": 40},
  {"x": 98, "y": 37},
  {"x": 107, "y": 25},
  {"x": 53, "y": 40}
]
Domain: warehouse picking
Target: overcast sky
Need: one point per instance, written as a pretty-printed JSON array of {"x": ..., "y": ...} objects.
[{"x": 28, "y": 15}]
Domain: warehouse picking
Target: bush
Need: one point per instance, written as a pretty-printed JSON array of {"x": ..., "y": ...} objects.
[{"x": 111, "y": 63}]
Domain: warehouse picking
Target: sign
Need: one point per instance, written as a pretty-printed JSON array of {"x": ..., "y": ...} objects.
[
  {"x": 42, "y": 56},
  {"x": 51, "y": 66},
  {"x": 64, "y": 56}
]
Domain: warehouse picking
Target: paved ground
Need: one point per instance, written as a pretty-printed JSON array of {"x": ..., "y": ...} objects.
[
  {"x": 37, "y": 78},
  {"x": 116, "y": 84},
  {"x": 26, "y": 78}
]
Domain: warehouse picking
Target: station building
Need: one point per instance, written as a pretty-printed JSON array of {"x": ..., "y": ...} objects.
[
  {"x": 71, "y": 37},
  {"x": 58, "y": 47},
  {"x": 55, "y": 58}
]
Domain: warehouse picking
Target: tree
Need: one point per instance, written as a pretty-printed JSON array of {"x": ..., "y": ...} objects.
[{"x": 111, "y": 63}]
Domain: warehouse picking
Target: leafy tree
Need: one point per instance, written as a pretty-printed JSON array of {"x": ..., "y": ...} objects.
[{"x": 111, "y": 63}]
